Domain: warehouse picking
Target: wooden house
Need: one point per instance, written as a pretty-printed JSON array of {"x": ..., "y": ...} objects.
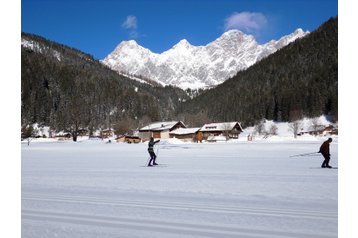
[
  {"x": 185, "y": 134},
  {"x": 160, "y": 129},
  {"x": 231, "y": 130}
]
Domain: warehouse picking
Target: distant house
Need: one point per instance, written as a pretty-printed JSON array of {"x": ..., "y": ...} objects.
[
  {"x": 185, "y": 134},
  {"x": 106, "y": 133},
  {"x": 83, "y": 132},
  {"x": 321, "y": 130},
  {"x": 330, "y": 130},
  {"x": 231, "y": 130},
  {"x": 128, "y": 139},
  {"x": 160, "y": 129}
]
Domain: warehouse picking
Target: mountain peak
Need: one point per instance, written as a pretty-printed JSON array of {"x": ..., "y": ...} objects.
[
  {"x": 234, "y": 36},
  {"x": 188, "y": 66},
  {"x": 131, "y": 43},
  {"x": 183, "y": 44},
  {"x": 233, "y": 32}
]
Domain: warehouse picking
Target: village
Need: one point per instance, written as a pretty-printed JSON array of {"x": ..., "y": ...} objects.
[{"x": 210, "y": 132}]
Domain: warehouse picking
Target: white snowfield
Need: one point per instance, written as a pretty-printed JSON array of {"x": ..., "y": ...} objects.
[{"x": 243, "y": 189}]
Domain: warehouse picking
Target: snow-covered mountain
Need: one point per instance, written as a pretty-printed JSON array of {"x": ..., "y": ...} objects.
[{"x": 188, "y": 66}]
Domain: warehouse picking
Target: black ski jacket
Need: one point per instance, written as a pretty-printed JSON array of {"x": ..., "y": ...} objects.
[{"x": 151, "y": 144}]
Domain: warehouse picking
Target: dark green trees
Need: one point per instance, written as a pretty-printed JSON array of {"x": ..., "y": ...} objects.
[
  {"x": 68, "y": 90},
  {"x": 299, "y": 80}
]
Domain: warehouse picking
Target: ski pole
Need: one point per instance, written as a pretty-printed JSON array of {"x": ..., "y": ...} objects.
[
  {"x": 157, "y": 150},
  {"x": 147, "y": 161},
  {"x": 304, "y": 154}
]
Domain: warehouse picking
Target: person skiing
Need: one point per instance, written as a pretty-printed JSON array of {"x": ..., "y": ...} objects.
[
  {"x": 324, "y": 150},
  {"x": 151, "y": 144}
]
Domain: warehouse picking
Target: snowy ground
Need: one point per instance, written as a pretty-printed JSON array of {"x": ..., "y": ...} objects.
[{"x": 244, "y": 189}]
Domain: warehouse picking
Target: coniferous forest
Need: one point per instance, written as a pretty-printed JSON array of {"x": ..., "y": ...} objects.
[
  {"x": 66, "y": 89},
  {"x": 300, "y": 80}
]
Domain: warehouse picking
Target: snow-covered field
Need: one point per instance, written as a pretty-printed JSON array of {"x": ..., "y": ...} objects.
[{"x": 244, "y": 189}]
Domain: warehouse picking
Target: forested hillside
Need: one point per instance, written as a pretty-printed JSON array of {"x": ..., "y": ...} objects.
[
  {"x": 67, "y": 89},
  {"x": 299, "y": 80}
]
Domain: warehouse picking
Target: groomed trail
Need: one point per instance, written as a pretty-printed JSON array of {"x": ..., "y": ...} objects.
[{"x": 93, "y": 189}]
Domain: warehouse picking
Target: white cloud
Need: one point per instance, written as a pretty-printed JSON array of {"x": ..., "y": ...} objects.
[
  {"x": 130, "y": 22},
  {"x": 248, "y": 22}
]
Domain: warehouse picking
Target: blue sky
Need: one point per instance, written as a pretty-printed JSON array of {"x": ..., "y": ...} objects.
[{"x": 98, "y": 26}]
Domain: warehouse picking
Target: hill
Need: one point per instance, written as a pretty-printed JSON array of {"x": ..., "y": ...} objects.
[
  {"x": 299, "y": 80},
  {"x": 67, "y": 89}
]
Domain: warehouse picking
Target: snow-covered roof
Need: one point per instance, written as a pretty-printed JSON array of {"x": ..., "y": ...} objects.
[
  {"x": 160, "y": 126},
  {"x": 222, "y": 126},
  {"x": 185, "y": 131}
]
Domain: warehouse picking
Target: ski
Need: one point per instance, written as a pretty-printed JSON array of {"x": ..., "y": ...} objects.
[
  {"x": 323, "y": 168},
  {"x": 158, "y": 165}
]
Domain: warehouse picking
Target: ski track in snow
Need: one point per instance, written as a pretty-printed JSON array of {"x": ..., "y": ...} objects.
[
  {"x": 206, "y": 230},
  {"x": 65, "y": 194},
  {"x": 306, "y": 214},
  {"x": 123, "y": 224},
  {"x": 209, "y": 230}
]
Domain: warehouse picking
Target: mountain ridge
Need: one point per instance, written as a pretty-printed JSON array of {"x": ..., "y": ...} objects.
[{"x": 188, "y": 66}]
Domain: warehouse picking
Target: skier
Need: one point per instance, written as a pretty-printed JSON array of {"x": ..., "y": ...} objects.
[
  {"x": 151, "y": 151},
  {"x": 324, "y": 150}
]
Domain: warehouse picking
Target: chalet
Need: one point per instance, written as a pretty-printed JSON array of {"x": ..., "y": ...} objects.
[
  {"x": 185, "y": 134},
  {"x": 160, "y": 129},
  {"x": 230, "y": 130}
]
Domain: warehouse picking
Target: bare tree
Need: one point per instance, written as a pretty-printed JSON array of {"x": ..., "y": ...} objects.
[
  {"x": 260, "y": 128},
  {"x": 28, "y": 132},
  {"x": 315, "y": 125},
  {"x": 273, "y": 130},
  {"x": 124, "y": 126},
  {"x": 294, "y": 127},
  {"x": 227, "y": 129},
  {"x": 195, "y": 120}
]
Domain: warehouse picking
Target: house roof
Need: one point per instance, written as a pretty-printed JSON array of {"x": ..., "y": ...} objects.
[
  {"x": 221, "y": 126},
  {"x": 161, "y": 126},
  {"x": 185, "y": 131}
]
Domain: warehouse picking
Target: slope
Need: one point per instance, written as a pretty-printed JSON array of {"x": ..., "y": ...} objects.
[
  {"x": 299, "y": 80},
  {"x": 68, "y": 89}
]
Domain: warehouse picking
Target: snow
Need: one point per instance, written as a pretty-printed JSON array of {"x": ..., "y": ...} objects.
[
  {"x": 236, "y": 189},
  {"x": 35, "y": 46},
  {"x": 185, "y": 131},
  {"x": 219, "y": 126},
  {"x": 165, "y": 125},
  {"x": 284, "y": 131},
  {"x": 194, "y": 67}
]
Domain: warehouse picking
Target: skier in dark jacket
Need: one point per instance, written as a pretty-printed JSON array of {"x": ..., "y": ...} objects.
[
  {"x": 151, "y": 151},
  {"x": 324, "y": 150}
]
